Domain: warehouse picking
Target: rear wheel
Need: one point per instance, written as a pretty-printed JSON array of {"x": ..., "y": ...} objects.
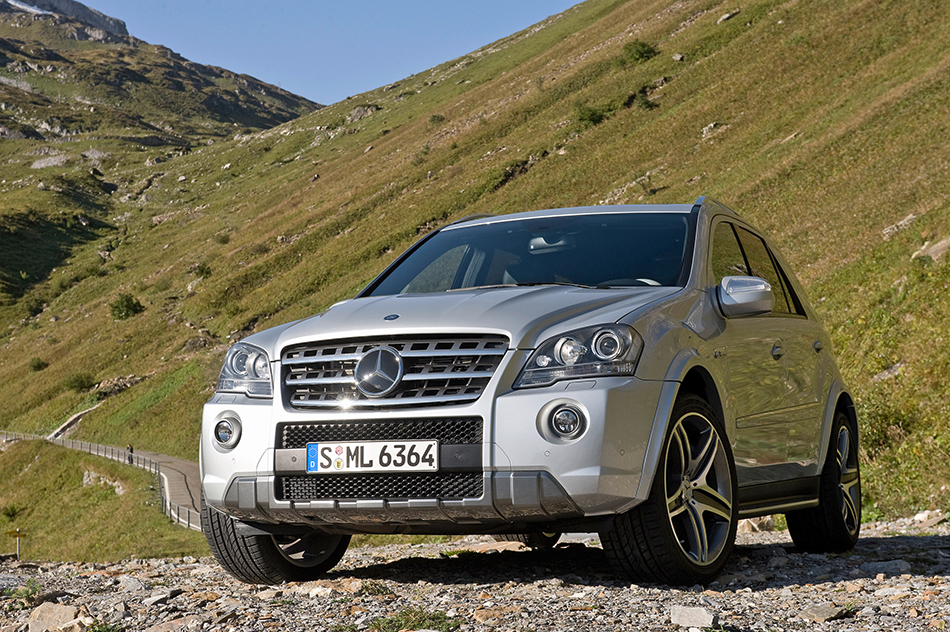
[
  {"x": 833, "y": 526},
  {"x": 533, "y": 540},
  {"x": 685, "y": 531},
  {"x": 270, "y": 559}
]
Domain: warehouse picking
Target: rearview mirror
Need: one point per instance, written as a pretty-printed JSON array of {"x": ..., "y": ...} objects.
[{"x": 744, "y": 296}]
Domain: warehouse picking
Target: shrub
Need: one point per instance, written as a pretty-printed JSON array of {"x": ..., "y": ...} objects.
[
  {"x": 436, "y": 119},
  {"x": 636, "y": 52},
  {"x": 37, "y": 364},
  {"x": 80, "y": 382},
  {"x": 10, "y": 512},
  {"x": 202, "y": 270},
  {"x": 589, "y": 115},
  {"x": 126, "y": 306},
  {"x": 222, "y": 238}
]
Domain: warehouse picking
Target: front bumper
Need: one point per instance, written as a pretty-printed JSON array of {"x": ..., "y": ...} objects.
[{"x": 514, "y": 476}]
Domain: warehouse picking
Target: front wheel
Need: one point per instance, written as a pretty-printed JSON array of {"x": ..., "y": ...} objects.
[
  {"x": 685, "y": 531},
  {"x": 833, "y": 526},
  {"x": 270, "y": 559}
]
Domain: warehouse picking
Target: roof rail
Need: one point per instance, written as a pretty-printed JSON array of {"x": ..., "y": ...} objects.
[{"x": 704, "y": 200}]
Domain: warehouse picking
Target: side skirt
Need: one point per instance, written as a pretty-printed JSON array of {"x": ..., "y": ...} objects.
[{"x": 769, "y": 498}]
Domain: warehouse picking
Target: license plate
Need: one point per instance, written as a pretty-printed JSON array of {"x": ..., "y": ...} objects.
[{"x": 373, "y": 456}]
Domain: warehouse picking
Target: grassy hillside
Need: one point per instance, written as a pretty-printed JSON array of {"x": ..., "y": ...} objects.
[
  {"x": 60, "y": 499},
  {"x": 822, "y": 121}
]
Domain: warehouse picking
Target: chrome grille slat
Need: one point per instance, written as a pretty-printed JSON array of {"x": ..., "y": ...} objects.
[
  {"x": 409, "y": 377},
  {"x": 438, "y": 370},
  {"x": 349, "y": 357},
  {"x": 385, "y": 403}
]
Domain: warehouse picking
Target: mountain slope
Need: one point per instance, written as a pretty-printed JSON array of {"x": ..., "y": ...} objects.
[
  {"x": 95, "y": 99},
  {"x": 822, "y": 121}
]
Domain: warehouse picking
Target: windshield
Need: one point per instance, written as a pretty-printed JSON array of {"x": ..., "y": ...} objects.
[{"x": 606, "y": 250}]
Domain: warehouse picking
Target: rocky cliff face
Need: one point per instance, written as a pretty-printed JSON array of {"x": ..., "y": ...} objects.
[{"x": 81, "y": 12}]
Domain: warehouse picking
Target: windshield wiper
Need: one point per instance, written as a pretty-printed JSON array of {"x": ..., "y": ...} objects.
[
  {"x": 536, "y": 283},
  {"x": 526, "y": 284}
]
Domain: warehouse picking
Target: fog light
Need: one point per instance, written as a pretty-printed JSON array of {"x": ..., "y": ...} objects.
[
  {"x": 227, "y": 432},
  {"x": 566, "y": 421}
]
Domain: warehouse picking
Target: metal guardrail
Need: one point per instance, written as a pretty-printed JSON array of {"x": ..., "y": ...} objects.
[{"x": 184, "y": 516}]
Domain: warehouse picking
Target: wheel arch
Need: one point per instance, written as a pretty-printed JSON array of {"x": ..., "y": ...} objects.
[
  {"x": 686, "y": 374},
  {"x": 700, "y": 382},
  {"x": 839, "y": 400}
]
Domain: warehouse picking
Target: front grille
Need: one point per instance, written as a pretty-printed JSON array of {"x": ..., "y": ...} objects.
[
  {"x": 438, "y": 370},
  {"x": 447, "y": 431},
  {"x": 445, "y": 486}
]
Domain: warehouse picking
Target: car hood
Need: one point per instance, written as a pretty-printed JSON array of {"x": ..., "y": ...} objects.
[{"x": 526, "y": 315}]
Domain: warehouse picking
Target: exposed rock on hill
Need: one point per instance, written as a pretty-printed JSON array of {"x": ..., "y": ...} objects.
[
  {"x": 117, "y": 81},
  {"x": 82, "y": 12}
]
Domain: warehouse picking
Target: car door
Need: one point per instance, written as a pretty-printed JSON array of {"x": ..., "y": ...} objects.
[
  {"x": 799, "y": 409},
  {"x": 804, "y": 376},
  {"x": 753, "y": 351}
]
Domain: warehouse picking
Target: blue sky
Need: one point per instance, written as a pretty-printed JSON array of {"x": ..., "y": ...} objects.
[{"x": 326, "y": 51}]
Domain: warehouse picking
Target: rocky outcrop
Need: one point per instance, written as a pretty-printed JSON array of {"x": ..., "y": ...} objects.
[{"x": 82, "y": 12}]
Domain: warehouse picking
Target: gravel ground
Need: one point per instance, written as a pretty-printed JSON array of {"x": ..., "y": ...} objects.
[{"x": 897, "y": 578}]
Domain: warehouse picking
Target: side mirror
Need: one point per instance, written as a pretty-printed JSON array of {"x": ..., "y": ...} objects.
[{"x": 744, "y": 296}]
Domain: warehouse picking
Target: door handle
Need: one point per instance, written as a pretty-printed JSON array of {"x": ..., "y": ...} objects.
[{"x": 778, "y": 351}]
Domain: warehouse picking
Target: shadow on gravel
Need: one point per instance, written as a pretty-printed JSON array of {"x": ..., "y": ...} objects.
[
  {"x": 575, "y": 563},
  {"x": 755, "y": 566}
]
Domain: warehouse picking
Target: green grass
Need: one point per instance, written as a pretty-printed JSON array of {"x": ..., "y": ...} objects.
[
  {"x": 825, "y": 123},
  {"x": 42, "y": 494},
  {"x": 416, "y": 619}
]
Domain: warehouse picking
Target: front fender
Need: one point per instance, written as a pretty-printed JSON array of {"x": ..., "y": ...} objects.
[{"x": 686, "y": 365}]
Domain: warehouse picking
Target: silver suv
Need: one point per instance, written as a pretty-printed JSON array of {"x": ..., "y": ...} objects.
[{"x": 649, "y": 373}]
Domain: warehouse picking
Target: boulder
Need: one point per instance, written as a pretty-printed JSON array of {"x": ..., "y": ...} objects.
[
  {"x": 361, "y": 112},
  {"x": 49, "y": 616}
]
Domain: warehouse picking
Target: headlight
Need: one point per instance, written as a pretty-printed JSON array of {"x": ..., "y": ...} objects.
[
  {"x": 590, "y": 352},
  {"x": 246, "y": 370}
]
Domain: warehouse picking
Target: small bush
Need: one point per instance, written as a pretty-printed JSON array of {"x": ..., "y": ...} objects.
[
  {"x": 10, "y": 512},
  {"x": 589, "y": 115},
  {"x": 37, "y": 364},
  {"x": 222, "y": 238},
  {"x": 80, "y": 382},
  {"x": 202, "y": 270},
  {"x": 641, "y": 99},
  {"x": 126, "y": 306},
  {"x": 636, "y": 52},
  {"x": 436, "y": 119}
]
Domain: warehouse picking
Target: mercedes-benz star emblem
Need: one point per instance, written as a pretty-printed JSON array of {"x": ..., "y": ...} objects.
[{"x": 379, "y": 371}]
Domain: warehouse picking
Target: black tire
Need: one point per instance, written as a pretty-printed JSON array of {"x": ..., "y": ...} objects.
[
  {"x": 685, "y": 531},
  {"x": 834, "y": 525},
  {"x": 533, "y": 540},
  {"x": 270, "y": 559}
]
